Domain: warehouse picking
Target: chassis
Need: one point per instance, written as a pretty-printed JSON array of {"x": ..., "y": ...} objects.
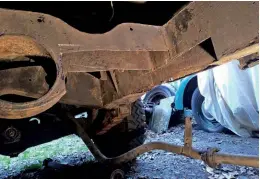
[{"x": 56, "y": 63}]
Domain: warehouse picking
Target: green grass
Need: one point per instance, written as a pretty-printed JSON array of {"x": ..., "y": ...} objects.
[{"x": 33, "y": 157}]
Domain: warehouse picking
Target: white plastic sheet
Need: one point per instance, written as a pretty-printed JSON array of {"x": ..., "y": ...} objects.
[{"x": 232, "y": 96}]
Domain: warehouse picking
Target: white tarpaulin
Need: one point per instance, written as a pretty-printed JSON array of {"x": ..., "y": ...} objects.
[{"x": 232, "y": 96}]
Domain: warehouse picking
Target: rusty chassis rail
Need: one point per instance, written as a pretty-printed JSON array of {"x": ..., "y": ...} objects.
[
  {"x": 211, "y": 157},
  {"x": 200, "y": 36}
]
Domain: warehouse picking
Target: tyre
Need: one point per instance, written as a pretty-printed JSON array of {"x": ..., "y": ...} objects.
[
  {"x": 203, "y": 118},
  {"x": 125, "y": 136},
  {"x": 158, "y": 93},
  {"x": 153, "y": 97}
]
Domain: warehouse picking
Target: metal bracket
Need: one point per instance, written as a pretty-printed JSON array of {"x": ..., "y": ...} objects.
[{"x": 208, "y": 157}]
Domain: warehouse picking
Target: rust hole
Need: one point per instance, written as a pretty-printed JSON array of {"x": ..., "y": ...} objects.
[{"x": 40, "y": 19}]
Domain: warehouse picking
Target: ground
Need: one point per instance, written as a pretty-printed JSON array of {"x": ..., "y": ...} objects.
[
  {"x": 151, "y": 165},
  {"x": 159, "y": 164}
]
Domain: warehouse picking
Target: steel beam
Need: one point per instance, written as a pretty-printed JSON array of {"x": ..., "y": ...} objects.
[{"x": 198, "y": 37}]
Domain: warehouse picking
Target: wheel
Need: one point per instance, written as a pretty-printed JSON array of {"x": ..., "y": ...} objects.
[
  {"x": 153, "y": 97},
  {"x": 158, "y": 93},
  {"x": 125, "y": 136},
  {"x": 204, "y": 119}
]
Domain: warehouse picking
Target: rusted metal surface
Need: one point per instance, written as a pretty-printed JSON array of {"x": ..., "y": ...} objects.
[
  {"x": 231, "y": 26},
  {"x": 115, "y": 117},
  {"x": 249, "y": 61},
  {"x": 21, "y": 80},
  {"x": 188, "y": 136},
  {"x": 124, "y": 100},
  {"x": 82, "y": 89},
  {"x": 198, "y": 37},
  {"x": 103, "y": 75},
  {"x": 21, "y": 110},
  {"x": 113, "y": 77},
  {"x": 14, "y": 46},
  {"x": 100, "y": 60},
  {"x": 211, "y": 157},
  {"x": 243, "y": 53}
]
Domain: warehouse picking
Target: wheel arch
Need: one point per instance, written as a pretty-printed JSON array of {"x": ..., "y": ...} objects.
[{"x": 185, "y": 91}]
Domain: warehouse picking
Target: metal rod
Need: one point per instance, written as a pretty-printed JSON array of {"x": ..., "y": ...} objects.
[
  {"x": 252, "y": 161},
  {"x": 89, "y": 143},
  {"x": 188, "y": 135},
  {"x": 211, "y": 157}
]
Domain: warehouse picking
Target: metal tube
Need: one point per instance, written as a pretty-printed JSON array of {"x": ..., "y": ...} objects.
[
  {"x": 132, "y": 154},
  {"x": 188, "y": 136},
  {"x": 211, "y": 157},
  {"x": 251, "y": 161}
]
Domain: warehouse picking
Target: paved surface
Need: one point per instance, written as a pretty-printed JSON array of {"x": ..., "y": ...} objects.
[{"x": 164, "y": 165}]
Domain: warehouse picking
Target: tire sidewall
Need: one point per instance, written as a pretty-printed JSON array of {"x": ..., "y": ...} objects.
[
  {"x": 158, "y": 90},
  {"x": 202, "y": 121}
]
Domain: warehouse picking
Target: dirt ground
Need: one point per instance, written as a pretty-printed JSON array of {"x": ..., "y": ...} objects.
[{"x": 164, "y": 165}]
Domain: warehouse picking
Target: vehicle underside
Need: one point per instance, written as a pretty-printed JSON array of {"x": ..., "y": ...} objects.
[{"x": 95, "y": 59}]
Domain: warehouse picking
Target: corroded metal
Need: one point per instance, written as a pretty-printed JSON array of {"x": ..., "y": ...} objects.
[
  {"x": 14, "y": 46},
  {"x": 199, "y": 36},
  {"x": 21, "y": 80},
  {"x": 210, "y": 157},
  {"x": 188, "y": 136},
  {"x": 25, "y": 46},
  {"x": 249, "y": 61},
  {"x": 115, "y": 117}
]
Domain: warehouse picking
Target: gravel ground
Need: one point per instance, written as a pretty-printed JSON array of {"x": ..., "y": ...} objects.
[{"x": 158, "y": 164}]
